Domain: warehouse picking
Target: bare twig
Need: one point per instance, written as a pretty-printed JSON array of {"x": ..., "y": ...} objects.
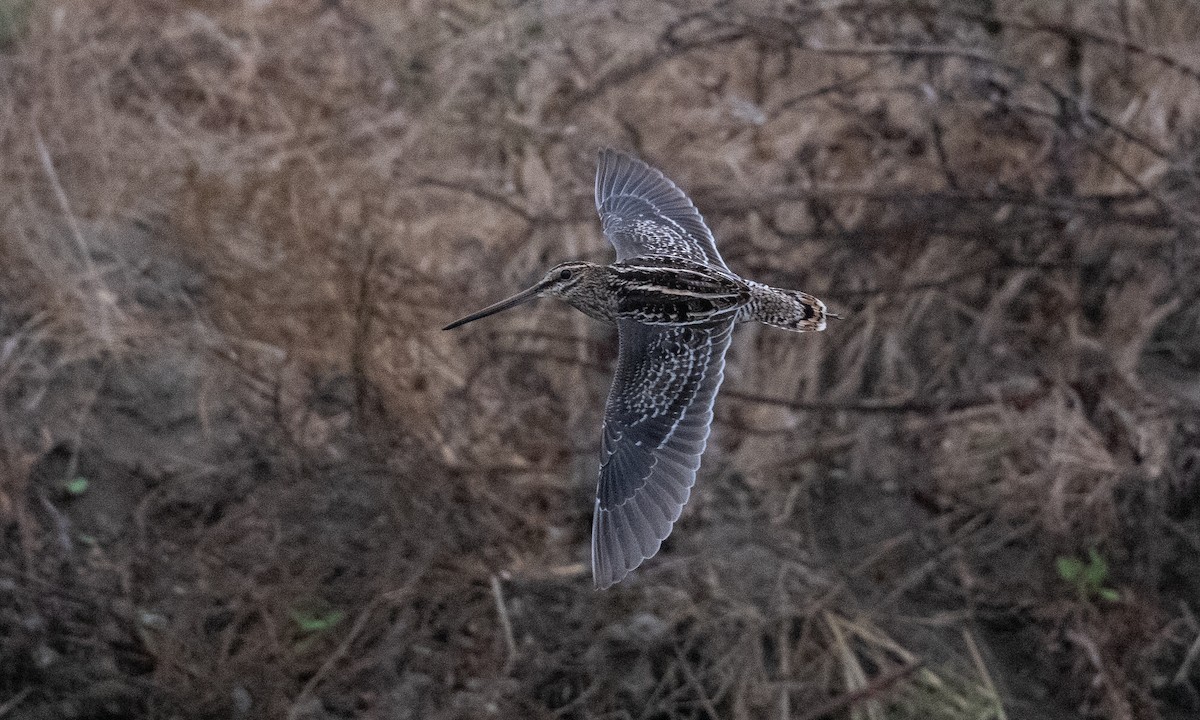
[
  {"x": 694, "y": 683},
  {"x": 841, "y": 86},
  {"x": 101, "y": 295},
  {"x": 1019, "y": 391},
  {"x": 630, "y": 69},
  {"x": 11, "y": 704},
  {"x": 870, "y": 691},
  {"x": 334, "y": 658},
  {"x": 505, "y": 625},
  {"x": 1014, "y": 23},
  {"x": 981, "y": 666},
  {"x": 1099, "y": 206},
  {"x": 482, "y": 193},
  {"x": 1063, "y": 97},
  {"x": 61, "y": 524},
  {"x": 1189, "y": 658}
]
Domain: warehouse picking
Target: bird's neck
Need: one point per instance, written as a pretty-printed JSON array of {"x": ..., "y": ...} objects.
[{"x": 593, "y": 295}]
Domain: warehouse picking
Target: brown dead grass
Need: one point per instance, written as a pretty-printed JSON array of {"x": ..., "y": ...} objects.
[{"x": 230, "y": 231}]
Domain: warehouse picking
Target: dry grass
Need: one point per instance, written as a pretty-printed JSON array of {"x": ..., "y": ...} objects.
[{"x": 230, "y": 231}]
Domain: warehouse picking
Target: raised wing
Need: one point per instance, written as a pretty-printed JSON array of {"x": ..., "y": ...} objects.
[
  {"x": 656, "y": 426},
  {"x": 644, "y": 213}
]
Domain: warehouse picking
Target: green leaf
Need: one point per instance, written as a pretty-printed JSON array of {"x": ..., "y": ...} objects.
[
  {"x": 1069, "y": 568},
  {"x": 14, "y": 20},
  {"x": 1097, "y": 569},
  {"x": 313, "y": 623},
  {"x": 1109, "y": 594},
  {"x": 76, "y": 487}
]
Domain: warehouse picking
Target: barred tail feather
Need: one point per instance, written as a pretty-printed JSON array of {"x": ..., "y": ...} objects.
[{"x": 787, "y": 309}]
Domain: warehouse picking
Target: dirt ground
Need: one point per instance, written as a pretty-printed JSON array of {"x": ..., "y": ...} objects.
[{"x": 243, "y": 474}]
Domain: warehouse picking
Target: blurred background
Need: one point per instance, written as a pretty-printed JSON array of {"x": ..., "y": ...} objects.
[{"x": 243, "y": 474}]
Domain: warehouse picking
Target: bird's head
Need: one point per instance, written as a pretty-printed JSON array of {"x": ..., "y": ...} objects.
[
  {"x": 561, "y": 281},
  {"x": 566, "y": 279}
]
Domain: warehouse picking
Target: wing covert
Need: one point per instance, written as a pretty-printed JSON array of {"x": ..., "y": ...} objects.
[
  {"x": 656, "y": 426},
  {"x": 643, "y": 213}
]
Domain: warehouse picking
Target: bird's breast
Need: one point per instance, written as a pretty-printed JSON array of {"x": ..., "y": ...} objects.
[{"x": 670, "y": 292}]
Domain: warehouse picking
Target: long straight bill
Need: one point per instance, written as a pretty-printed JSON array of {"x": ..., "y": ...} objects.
[{"x": 515, "y": 300}]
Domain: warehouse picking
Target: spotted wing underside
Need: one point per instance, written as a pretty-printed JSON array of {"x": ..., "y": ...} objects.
[
  {"x": 656, "y": 425},
  {"x": 644, "y": 213}
]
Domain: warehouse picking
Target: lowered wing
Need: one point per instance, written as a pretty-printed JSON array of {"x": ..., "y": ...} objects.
[{"x": 656, "y": 425}]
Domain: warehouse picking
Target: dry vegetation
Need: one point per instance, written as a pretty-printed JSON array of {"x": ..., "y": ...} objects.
[{"x": 242, "y": 474}]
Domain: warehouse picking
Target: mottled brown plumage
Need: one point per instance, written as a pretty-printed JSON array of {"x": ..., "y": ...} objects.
[{"x": 675, "y": 303}]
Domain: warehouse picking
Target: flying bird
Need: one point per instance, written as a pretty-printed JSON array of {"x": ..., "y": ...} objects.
[{"x": 674, "y": 302}]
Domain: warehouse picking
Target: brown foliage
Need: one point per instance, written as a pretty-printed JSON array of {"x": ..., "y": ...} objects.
[{"x": 230, "y": 232}]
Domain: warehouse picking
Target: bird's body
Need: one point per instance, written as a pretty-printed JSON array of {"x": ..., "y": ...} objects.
[
  {"x": 656, "y": 291},
  {"x": 675, "y": 304}
]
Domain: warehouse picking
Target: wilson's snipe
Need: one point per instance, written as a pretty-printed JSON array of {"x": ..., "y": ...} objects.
[{"x": 674, "y": 303}]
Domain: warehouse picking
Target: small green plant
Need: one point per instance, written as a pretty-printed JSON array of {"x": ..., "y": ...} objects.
[
  {"x": 1089, "y": 577},
  {"x": 76, "y": 487},
  {"x": 313, "y": 623},
  {"x": 14, "y": 20}
]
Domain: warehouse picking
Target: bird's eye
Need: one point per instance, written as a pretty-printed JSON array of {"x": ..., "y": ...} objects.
[{"x": 564, "y": 275}]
